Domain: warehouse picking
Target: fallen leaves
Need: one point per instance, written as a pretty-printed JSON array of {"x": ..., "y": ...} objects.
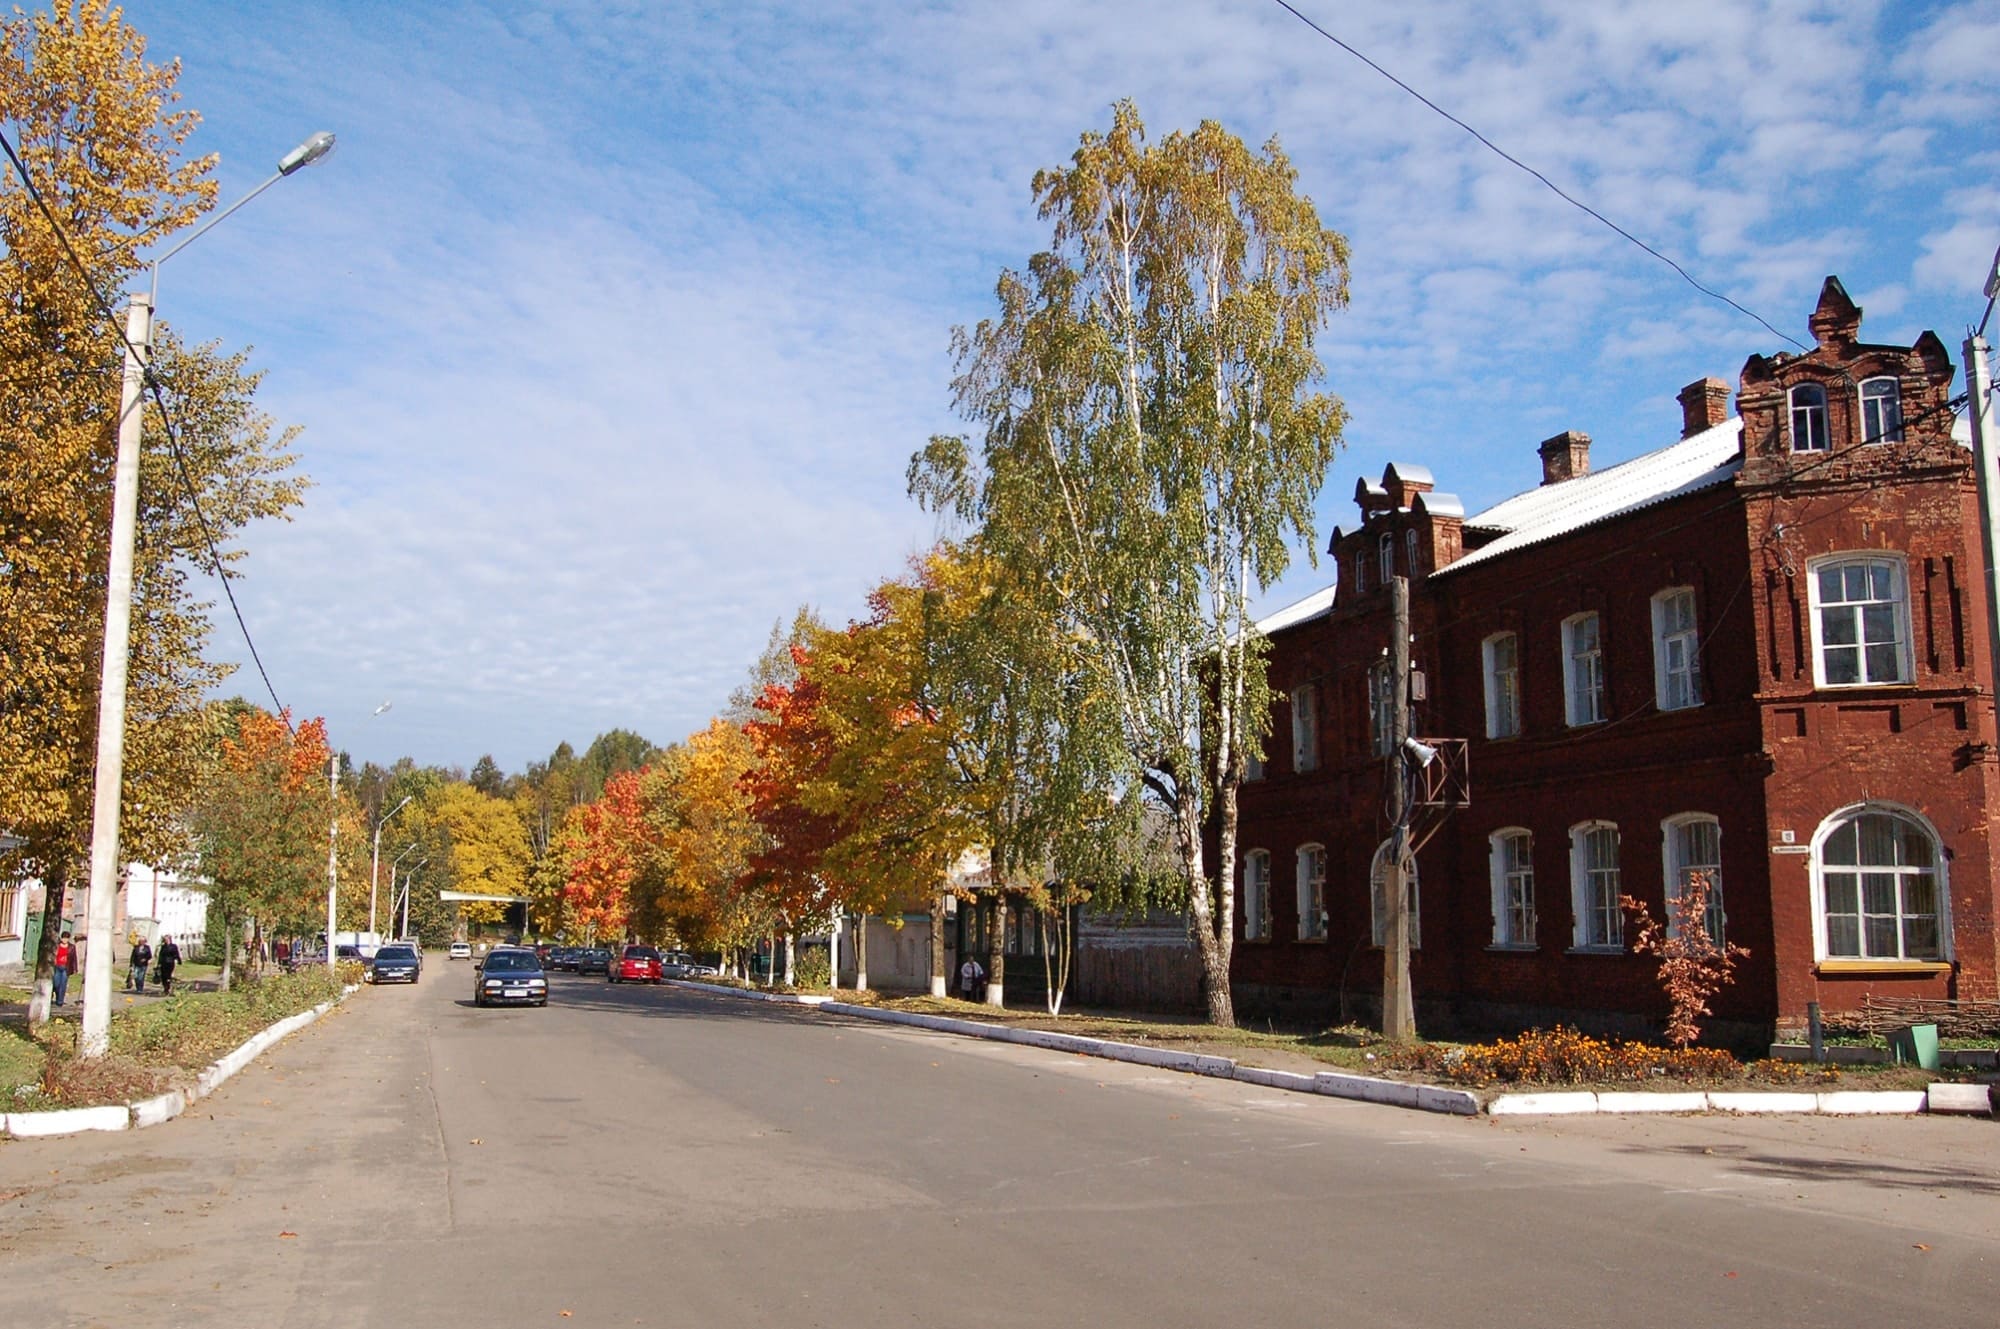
[{"x": 283, "y": 1235}]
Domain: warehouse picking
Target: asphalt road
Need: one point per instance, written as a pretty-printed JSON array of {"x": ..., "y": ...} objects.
[{"x": 662, "y": 1157}]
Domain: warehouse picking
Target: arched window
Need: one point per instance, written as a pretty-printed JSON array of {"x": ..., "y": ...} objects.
[
  {"x": 1809, "y": 430},
  {"x": 1378, "y": 890},
  {"x": 1693, "y": 843},
  {"x": 1311, "y": 872},
  {"x": 1881, "y": 411},
  {"x": 1595, "y": 886},
  {"x": 1257, "y": 895},
  {"x": 1583, "y": 670},
  {"x": 1410, "y": 550},
  {"x": 1305, "y": 728},
  {"x": 1860, "y": 621},
  {"x": 1879, "y": 887},
  {"x": 1511, "y": 860},
  {"x": 1676, "y": 650},
  {"x": 1502, "y": 653},
  {"x": 1385, "y": 553},
  {"x": 1360, "y": 571}
]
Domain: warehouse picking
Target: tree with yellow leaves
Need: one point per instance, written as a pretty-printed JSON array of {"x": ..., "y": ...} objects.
[{"x": 100, "y": 133}]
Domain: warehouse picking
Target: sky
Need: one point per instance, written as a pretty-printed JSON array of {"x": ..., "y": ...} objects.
[{"x": 612, "y": 326}]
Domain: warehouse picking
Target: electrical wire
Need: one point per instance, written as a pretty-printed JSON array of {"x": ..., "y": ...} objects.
[
  {"x": 1547, "y": 183},
  {"x": 166, "y": 420}
]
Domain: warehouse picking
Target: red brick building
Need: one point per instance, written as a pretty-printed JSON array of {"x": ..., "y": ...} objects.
[{"x": 1759, "y": 651}]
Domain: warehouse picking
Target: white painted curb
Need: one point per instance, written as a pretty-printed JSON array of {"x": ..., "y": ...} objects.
[
  {"x": 1976, "y": 1099},
  {"x": 1426, "y": 1098},
  {"x": 1543, "y": 1105},
  {"x": 165, "y": 1107},
  {"x": 1845, "y": 1103},
  {"x": 1752, "y": 1101}
]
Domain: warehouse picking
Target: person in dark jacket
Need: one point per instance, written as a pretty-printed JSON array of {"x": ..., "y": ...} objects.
[
  {"x": 142, "y": 956},
  {"x": 167, "y": 961}
]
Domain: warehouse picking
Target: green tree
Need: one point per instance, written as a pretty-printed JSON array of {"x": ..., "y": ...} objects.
[
  {"x": 1151, "y": 442},
  {"x": 98, "y": 128},
  {"x": 487, "y": 777}
]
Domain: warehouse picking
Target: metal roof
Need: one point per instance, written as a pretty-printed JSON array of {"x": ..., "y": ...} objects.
[
  {"x": 1313, "y": 606},
  {"x": 1546, "y": 512}
]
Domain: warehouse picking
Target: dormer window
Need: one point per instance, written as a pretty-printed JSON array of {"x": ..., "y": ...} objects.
[
  {"x": 1809, "y": 431},
  {"x": 1881, "y": 411},
  {"x": 1385, "y": 551}
]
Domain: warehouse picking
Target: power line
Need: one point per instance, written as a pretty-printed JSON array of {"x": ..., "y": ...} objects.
[
  {"x": 1547, "y": 183},
  {"x": 166, "y": 418}
]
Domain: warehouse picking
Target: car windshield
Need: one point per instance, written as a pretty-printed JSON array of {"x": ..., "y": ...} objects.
[
  {"x": 641, "y": 953},
  {"x": 395, "y": 953},
  {"x": 511, "y": 960}
]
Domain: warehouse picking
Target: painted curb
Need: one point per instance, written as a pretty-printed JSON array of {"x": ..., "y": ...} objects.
[
  {"x": 1543, "y": 1105},
  {"x": 68, "y": 1121},
  {"x": 1634, "y": 1101},
  {"x": 1972, "y": 1099},
  {"x": 1861, "y": 1102},
  {"x": 162, "y": 1108},
  {"x": 1395, "y": 1093},
  {"x": 1748, "y": 1101}
]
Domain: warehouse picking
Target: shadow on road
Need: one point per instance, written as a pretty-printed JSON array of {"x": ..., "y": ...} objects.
[{"x": 1884, "y": 1175}]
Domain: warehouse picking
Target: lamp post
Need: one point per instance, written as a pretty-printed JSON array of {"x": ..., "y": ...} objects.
[
  {"x": 333, "y": 846},
  {"x": 104, "y": 827},
  {"x": 375, "y": 864},
  {"x": 393, "y": 865},
  {"x": 407, "y": 878}
]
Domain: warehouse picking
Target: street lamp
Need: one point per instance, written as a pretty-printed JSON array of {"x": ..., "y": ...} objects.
[
  {"x": 375, "y": 864},
  {"x": 333, "y": 843},
  {"x": 104, "y": 828},
  {"x": 407, "y": 878}
]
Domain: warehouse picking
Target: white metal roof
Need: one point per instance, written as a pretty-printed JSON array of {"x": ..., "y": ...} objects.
[
  {"x": 1701, "y": 462},
  {"x": 1314, "y": 605}
]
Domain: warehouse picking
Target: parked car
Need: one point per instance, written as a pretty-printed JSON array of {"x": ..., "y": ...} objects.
[
  {"x": 593, "y": 960},
  {"x": 461, "y": 950},
  {"x": 636, "y": 964},
  {"x": 510, "y": 974},
  {"x": 394, "y": 962},
  {"x": 679, "y": 964}
]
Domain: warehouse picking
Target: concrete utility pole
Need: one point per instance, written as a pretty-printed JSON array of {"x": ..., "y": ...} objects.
[
  {"x": 332, "y": 845},
  {"x": 1979, "y": 407},
  {"x": 109, "y": 792},
  {"x": 1399, "y": 1018}
]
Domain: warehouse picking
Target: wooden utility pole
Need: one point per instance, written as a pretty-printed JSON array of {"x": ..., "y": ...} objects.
[{"x": 1399, "y": 1017}]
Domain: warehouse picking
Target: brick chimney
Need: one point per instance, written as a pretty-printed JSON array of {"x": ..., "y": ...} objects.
[
  {"x": 1565, "y": 457},
  {"x": 1704, "y": 405}
]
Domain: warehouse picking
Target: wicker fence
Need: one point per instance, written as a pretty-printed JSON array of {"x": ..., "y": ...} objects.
[{"x": 1954, "y": 1019}]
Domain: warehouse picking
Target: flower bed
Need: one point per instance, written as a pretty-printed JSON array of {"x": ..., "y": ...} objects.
[{"x": 1566, "y": 1057}]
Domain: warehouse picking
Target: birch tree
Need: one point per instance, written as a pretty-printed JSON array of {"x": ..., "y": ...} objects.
[{"x": 1151, "y": 441}]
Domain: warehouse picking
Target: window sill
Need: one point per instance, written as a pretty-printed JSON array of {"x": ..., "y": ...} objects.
[
  {"x": 1905, "y": 968},
  {"x": 1311, "y": 941},
  {"x": 1594, "y": 950},
  {"x": 1513, "y": 948}
]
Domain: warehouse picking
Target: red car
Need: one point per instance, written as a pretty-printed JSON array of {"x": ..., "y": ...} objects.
[{"x": 637, "y": 964}]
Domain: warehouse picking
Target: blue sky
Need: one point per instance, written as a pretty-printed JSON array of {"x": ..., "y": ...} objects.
[{"x": 612, "y": 325}]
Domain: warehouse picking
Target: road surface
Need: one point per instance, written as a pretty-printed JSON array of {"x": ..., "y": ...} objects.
[{"x": 664, "y": 1157}]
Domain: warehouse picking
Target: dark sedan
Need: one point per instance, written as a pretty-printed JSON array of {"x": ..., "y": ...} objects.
[
  {"x": 593, "y": 960},
  {"x": 510, "y": 974},
  {"x": 394, "y": 964}
]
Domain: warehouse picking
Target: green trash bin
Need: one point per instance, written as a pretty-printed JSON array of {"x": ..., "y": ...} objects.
[{"x": 1917, "y": 1044}]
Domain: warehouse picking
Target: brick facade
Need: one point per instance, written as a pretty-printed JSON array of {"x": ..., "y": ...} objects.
[{"x": 1691, "y": 575}]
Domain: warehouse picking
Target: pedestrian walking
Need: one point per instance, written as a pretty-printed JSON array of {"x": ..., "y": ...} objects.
[
  {"x": 142, "y": 959},
  {"x": 65, "y": 965},
  {"x": 165, "y": 963},
  {"x": 970, "y": 975}
]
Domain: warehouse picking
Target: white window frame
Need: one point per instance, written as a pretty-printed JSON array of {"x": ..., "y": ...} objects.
[
  {"x": 1881, "y": 409},
  {"x": 1587, "y": 881},
  {"x": 1503, "y": 686},
  {"x": 1676, "y": 689},
  {"x": 1410, "y": 550},
  {"x": 1378, "y": 900},
  {"x": 1898, "y": 601},
  {"x": 1513, "y": 886},
  {"x": 1385, "y": 557},
  {"x": 1381, "y": 707},
  {"x": 1821, "y": 870},
  {"x": 1361, "y": 572},
  {"x": 1808, "y": 419},
  {"x": 1257, "y": 895},
  {"x": 1305, "y": 728},
  {"x": 1583, "y": 670},
  {"x": 1678, "y": 860},
  {"x": 1309, "y": 872}
]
